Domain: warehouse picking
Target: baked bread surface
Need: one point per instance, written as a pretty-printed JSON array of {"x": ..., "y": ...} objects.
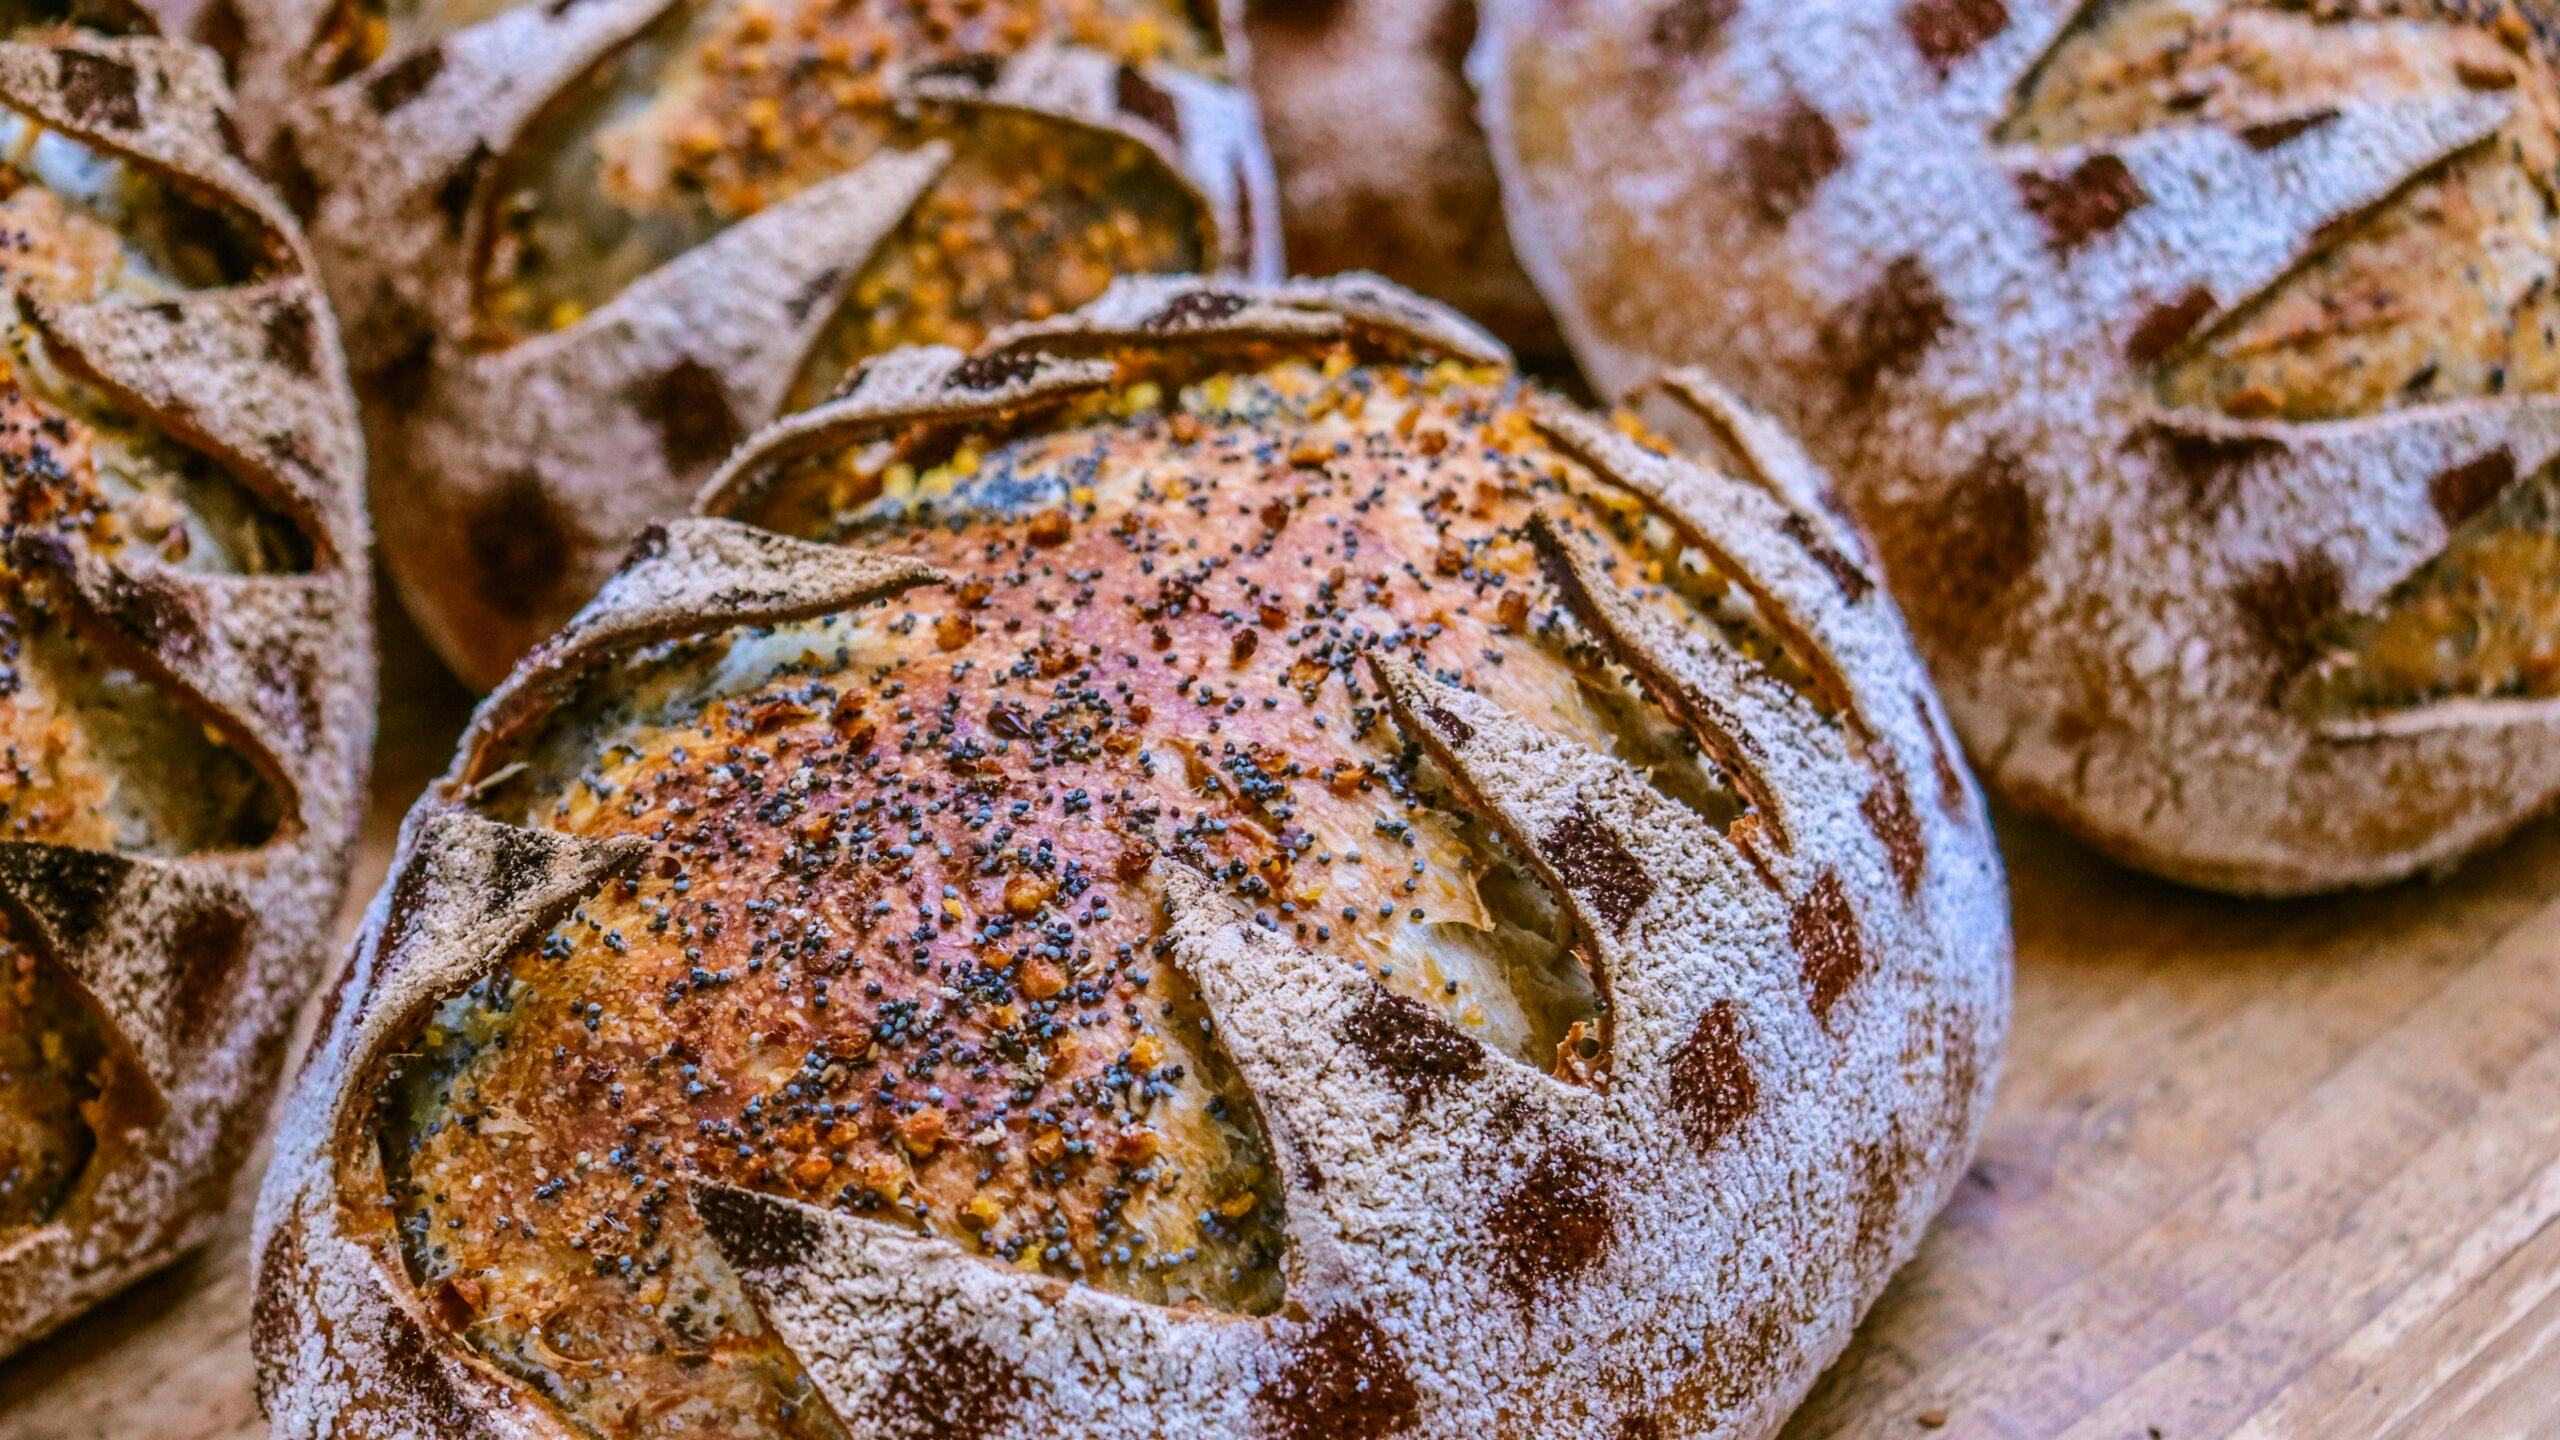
[
  {"x": 581, "y": 252},
  {"x": 185, "y": 660},
  {"x": 1382, "y": 167},
  {"x": 2189, "y": 361},
  {"x": 1222, "y": 866}
]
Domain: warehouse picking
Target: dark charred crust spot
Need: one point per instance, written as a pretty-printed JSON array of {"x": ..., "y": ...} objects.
[
  {"x": 517, "y": 546},
  {"x": 293, "y": 178},
  {"x": 2461, "y": 492},
  {"x": 1595, "y": 864},
  {"x": 1458, "y": 731},
  {"x": 292, "y": 337},
  {"x": 1196, "y": 307},
  {"x": 2268, "y": 134},
  {"x": 1554, "y": 1225},
  {"x": 100, "y": 92},
  {"x": 2207, "y": 465},
  {"x": 1887, "y": 330},
  {"x": 272, "y": 1323},
  {"x": 2084, "y": 202},
  {"x": 993, "y": 371},
  {"x": 1946, "y": 31},
  {"x": 287, "y": 671},
  {"x": 205, "y": 952},
  {"x": 1853, "y": 581},
  {"x": 1824, "y": 929},
  {"x": 1712, "y": 1087},
  {"x": 1410, "y": 1047},
  {"x": 405, "y": 80},
  {"x": 453, "y": 197},
  {"x": 523, "y": 862},
  {"x": 2284, "y": 603},
  {"x": 69, "y": 891},
  {"x": 948, "y": 1388},
  {"x": 757, "y": 1234},
  {"x": 2167, "y": 325},
  {"x": 821, "y": 288},
  {"x": 690, "y": 410},
  {"x": 157, "y": 615},
  {"x": 1342, "y": 1380},
  {"x": 1787, "y": 162},
  {"x": 1975, "y": 541},
  {"x": 1887, "y": 808},
  {"x": 421, "y": 1376},
  {"x": 651, "y": 543},
  {"x": 1145, "y": 101},
  {"x": 1687, "y": 27},
  {"x": 1881, "y": 1168},
  {"x": 222, "y": 29}
]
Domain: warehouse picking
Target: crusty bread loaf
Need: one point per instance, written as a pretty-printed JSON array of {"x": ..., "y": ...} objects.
[
  {"x": 185, "y": 659},
  {"x": 2191, "y": 361},
  {"x": 1222, "y": 866},
  {"x": 580, "y": 251},
  {"x": 1373, "y": 133}
]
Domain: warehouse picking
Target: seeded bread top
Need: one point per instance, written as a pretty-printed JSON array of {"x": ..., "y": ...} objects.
[{"x": 1248, "y": 872}]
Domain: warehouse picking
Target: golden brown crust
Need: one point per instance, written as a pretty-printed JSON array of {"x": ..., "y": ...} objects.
[
  {"x": 185, "y": 669},
  {"x": 2188, "y": 358},
  {"x": 1020, "y": 980},
  {"x": 582, "y": 251}
]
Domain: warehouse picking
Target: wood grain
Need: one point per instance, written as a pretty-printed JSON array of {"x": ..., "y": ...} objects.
[{"x": 2256, "y": 1171}]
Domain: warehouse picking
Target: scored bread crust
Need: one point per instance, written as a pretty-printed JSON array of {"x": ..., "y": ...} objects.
[
  {"x": 1382, "y": 168},
  {"x": 1805, "y": 1018},
  {"x": 508, "y": 480},
  {"x": 2117, "y": 596},
  {"x": 194, "y": 965}
]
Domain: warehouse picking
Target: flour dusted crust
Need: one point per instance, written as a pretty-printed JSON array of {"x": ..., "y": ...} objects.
[
  {"x": 512, "y": 471},
  {"x": 193, "y": 963},
  {"x": 1804, "y": 1001},
  {"x": 1382, "y": 167},
  {"x": 1849, "y": 213}
]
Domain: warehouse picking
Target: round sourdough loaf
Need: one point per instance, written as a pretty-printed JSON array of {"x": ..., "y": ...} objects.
[
  {"x": 582, "y": 250},
  {"x": 1373, "y": 132},
  {"x": 186, "y": 659},
  {"x": 1218, "y": 867},
  {"x": 2191, "y": 362}
]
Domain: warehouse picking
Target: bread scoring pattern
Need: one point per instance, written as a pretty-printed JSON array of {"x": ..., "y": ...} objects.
[
  {"x": 1080, "y": 986},
  {"x": 582, "y": 251},
  {"x": 2186, "y": 359},
  {"x": 185, "y": 697}
]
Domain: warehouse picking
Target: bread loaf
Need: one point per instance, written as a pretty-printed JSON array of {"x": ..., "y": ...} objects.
[
  {"x": 2190, "y": 360},
  {"x": 1220, "y": 866},
  {"x": 186, "y": 691},
  {"x": 1382, "y": 168},
  {"x": 580, "y": 251}
]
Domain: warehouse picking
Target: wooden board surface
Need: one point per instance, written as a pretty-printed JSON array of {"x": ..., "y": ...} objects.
[{"x": 2256, "y": 1170}]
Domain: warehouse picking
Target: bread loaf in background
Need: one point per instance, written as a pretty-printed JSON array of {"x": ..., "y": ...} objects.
[
  {"x": 581, "y": 251},
  {"x": 2191, "y": 362},
  {"x": 186, "y": 667},
  {"x": 1382, "y": 167}
]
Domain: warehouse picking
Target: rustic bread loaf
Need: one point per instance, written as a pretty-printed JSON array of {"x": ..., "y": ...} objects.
[
  {"x": 185, "y": 659},
  {"x": 2190, "y": 360},
  {"x": 580, "y": 251},
  {"x": 1222, "y": 866},
  {"x": 1382, "y": 168}
]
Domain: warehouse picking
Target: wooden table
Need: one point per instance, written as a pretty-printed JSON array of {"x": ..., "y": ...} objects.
[{"x": 2256, "y": 1170}]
